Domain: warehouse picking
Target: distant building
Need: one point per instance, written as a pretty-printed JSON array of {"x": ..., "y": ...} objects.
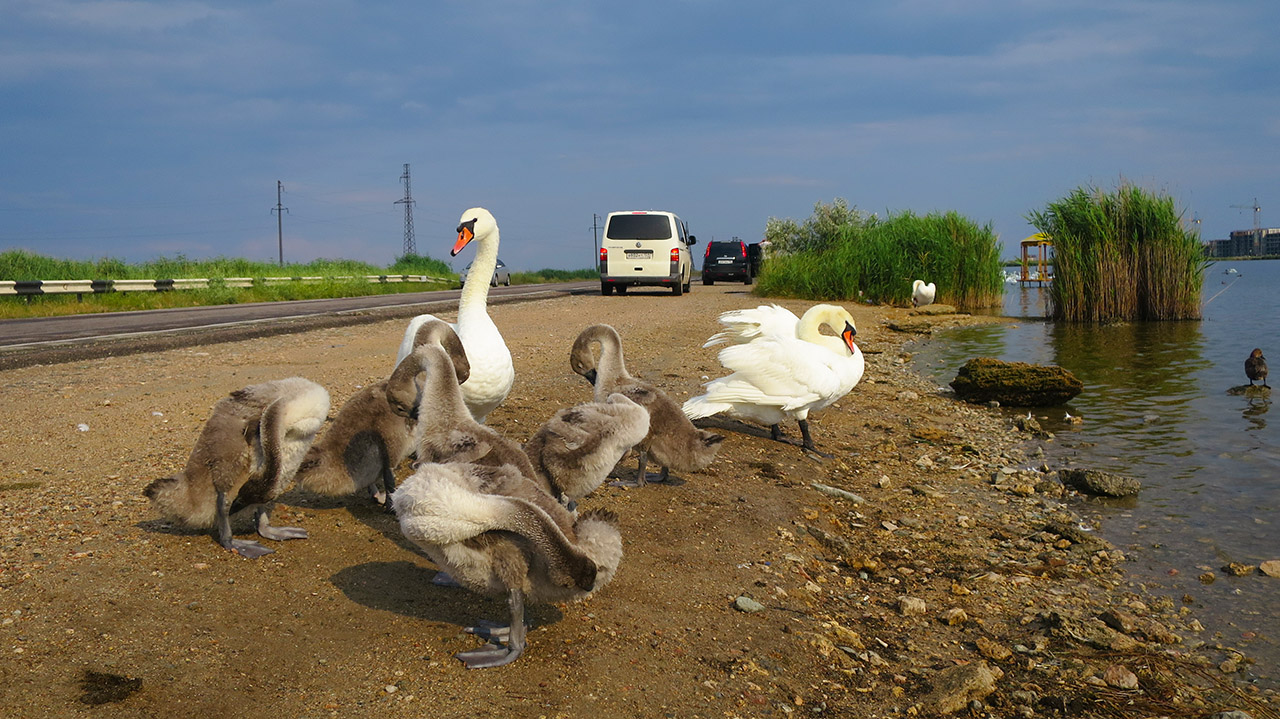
[{"x": 1246, "y": 243}]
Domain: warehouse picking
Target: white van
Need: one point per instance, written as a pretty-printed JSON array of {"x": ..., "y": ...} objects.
[{"x": 645, "y": 247}]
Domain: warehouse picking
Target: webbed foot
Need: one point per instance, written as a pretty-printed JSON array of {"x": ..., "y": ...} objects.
[
  {"x": 249, "y": 548},
  {"x": 503, "y": 646},
  {"x": 488, "y": 656},
  {"x": 442, "y": 579},
  {"x": 278, "y": 534}
]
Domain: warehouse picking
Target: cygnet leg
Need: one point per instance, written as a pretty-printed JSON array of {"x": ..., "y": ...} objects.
[
  {"x": 277, "y": 533},
  {"x": 389, "y": 487},
  {"x": 642, "y": 474},
  {"x": 222, "y": 528},
  {"x": 442, "y": 579},
  {"x": 494, "y": 654}
]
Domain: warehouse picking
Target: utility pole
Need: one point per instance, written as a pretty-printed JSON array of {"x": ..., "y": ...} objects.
[
  {"x": 280, "y": 209},
  {"x": 595, "y": 239},
  {"x": 410, "y": 247}
]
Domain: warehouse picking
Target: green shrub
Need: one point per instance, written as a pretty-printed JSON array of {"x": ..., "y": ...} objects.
[{"x": 876, "y": 260}]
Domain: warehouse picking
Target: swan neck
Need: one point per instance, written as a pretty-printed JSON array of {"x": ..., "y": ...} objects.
[
  {"x": 612, "y": 367},
  {"x": 475, "y": 294},
  {"x": 809, "y": 330}
]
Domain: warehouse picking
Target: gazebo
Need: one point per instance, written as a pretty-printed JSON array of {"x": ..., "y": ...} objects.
[{"x": 1037, "y": 259}]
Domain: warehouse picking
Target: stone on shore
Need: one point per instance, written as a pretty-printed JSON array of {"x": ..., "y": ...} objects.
[
  {"x": 1093, "y": 481},
  {"x": 1014, "y": 384},
  {"x": 955, "y": 687}
]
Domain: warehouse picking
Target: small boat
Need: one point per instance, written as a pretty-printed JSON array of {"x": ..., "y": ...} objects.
[{"x": 1230, "y": 271}]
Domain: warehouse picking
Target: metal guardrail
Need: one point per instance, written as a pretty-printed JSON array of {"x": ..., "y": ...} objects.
[{"x": 86, "y": 287}]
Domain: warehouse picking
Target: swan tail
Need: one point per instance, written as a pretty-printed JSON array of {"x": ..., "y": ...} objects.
[
  {"x": 702, "y": 406},
  {"x": 318, "y": 473},
  {"x": 598, "y": 538}
]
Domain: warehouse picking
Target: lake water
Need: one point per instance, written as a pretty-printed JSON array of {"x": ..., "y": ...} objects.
[{"x": 1156, "y": 407}]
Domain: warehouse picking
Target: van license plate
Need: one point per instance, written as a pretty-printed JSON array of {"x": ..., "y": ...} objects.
[
  {"x": 639, "y": 254},
  {"x": 725, "y": 261}
]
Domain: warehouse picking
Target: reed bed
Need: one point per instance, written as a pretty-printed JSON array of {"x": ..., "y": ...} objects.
[
  {"x": 1121, "y": 256},
  {"x": 875, "y": 260}
]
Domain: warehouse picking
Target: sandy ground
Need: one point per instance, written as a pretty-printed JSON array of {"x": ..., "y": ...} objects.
[{"x": 1009, "y": 621}]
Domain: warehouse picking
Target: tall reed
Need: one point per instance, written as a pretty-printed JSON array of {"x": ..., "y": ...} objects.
[
  {"x": 1120, "y": 256},
  {"x": 876, "y": 260}
]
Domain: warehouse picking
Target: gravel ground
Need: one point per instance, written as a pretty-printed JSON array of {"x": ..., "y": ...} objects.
[{"x": 924, "y": 569}]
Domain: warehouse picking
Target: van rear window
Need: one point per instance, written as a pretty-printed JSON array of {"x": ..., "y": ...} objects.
[{"x": 639, "y": 227}]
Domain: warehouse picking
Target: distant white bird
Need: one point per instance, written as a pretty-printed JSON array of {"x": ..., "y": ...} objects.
[
  {"x": 783, "y": 366},
  {"x": 922, "y": 294}
]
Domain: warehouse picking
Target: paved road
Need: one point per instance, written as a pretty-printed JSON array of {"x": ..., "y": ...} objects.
[{"x": 48, "y": 340}]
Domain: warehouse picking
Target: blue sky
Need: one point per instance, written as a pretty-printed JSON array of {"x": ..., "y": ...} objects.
[{"x": 137, "y": 129}]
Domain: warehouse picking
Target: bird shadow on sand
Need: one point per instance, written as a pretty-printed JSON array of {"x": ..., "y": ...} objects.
[
  {"x": 405, "y": 588},
  {"x": 737, "y": 426},
  {"x": 361, "y": 508},
  {"x": 740, "y": 427}
]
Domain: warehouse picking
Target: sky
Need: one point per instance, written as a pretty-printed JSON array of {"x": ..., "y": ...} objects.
[{"x": 138, "y": 130}]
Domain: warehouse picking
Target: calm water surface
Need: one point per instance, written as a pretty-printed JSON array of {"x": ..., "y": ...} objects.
[{"x": 1156, "y": 407}]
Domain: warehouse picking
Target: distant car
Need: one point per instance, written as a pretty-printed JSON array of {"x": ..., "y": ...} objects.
[
  {"x": 501, "y": 275},
  {"x": 729, "y": 260}
]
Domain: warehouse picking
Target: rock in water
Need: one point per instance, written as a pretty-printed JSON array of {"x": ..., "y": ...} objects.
[
  {"x": 1014, "y": 384},
  {"x": 1093, "y": 481}
]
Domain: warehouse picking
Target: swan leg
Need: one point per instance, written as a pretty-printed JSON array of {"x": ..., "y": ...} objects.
[
  {"x": 277, "y": 533},
  {"x": 222, "y": 529},
  {"x": 494, "y": 654},
  {"x": 775, "y": 432},
  {"x": 808, "y": 438}
]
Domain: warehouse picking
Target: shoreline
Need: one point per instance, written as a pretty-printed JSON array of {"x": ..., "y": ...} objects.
[{"x": 885, "y": 575}]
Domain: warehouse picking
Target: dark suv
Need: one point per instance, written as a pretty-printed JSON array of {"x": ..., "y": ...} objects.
[{"x": 732, "y": 260}]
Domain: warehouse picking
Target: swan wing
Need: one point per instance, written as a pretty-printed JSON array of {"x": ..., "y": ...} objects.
[
  {"x": 742, "y": 326},
  {"x": 787, "y": 374}
]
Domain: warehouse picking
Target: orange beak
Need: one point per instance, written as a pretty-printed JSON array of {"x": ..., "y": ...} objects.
[
  {"x": 847, "y": 335},
  {"x": 466, "y": 232}
]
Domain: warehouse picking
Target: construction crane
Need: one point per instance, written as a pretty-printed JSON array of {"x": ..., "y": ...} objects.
[{"x": 1256, "y": 209}]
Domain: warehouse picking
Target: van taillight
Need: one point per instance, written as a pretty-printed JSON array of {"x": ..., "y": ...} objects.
[
  {"x": 604, "y": 255},
  {"x": 675, "y": 255}
]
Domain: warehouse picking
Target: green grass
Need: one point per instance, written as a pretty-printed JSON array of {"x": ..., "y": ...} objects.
[
  {"x": 1121, "y": 256},
  {"x": 550, "y": 275},
  {"x": 22, "y": 265},
  {"x": 875, "y": 260}
]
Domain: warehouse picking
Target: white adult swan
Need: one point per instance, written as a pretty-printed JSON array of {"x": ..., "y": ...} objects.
[
  {"x": 783, "y": 366},
  {"x": 492, "y": 372},
  {"x": 922, "y": 294}
]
